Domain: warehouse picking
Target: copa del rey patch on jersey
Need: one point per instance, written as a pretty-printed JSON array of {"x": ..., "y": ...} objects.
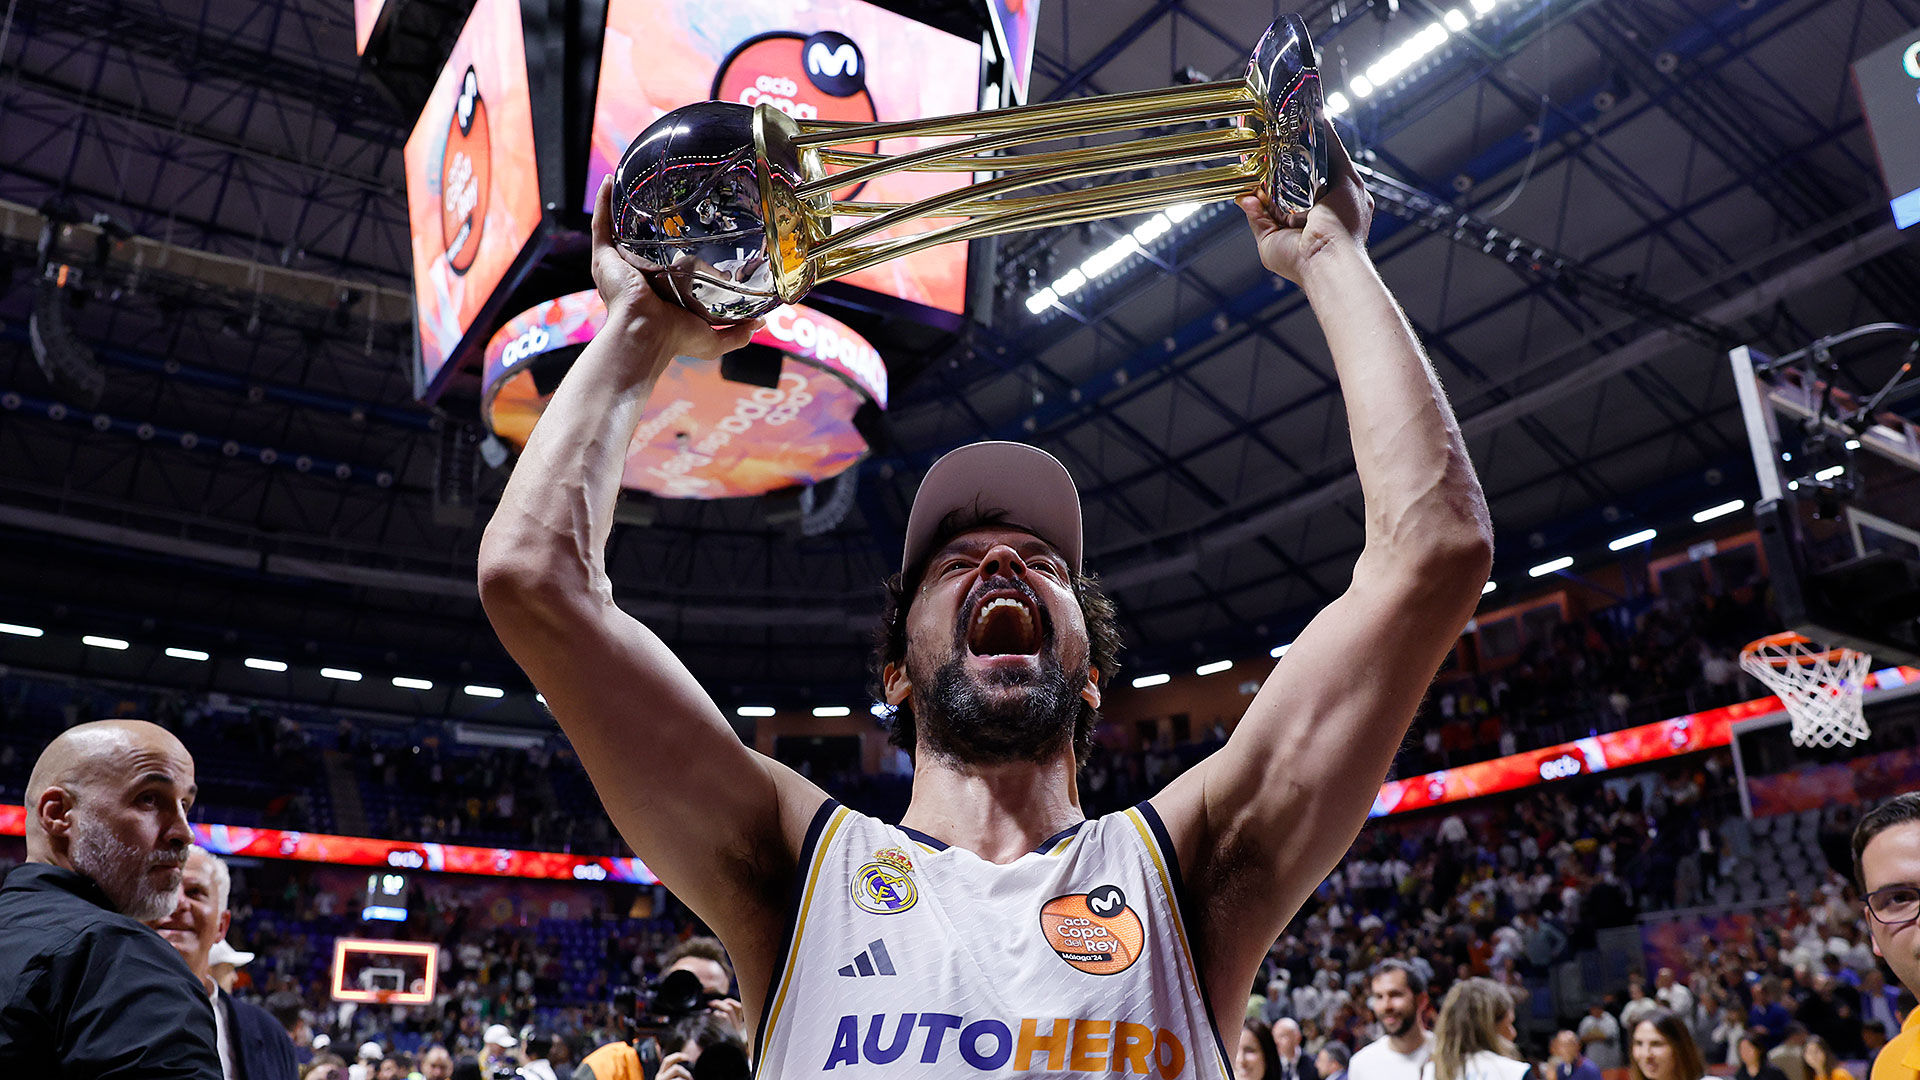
[
  {"x": 1094, "y": 931},
  {"x": 884, "y": 885}
]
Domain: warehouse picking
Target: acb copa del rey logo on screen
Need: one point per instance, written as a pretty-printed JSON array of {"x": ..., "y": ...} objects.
[{"x": 466, "y": 175}]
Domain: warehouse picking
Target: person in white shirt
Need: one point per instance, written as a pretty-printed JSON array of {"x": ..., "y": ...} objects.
[
  {"x": 1474, "y": 1038},
  {"x": 1638, "y": 1004},
  {"x": 1398, "y": 997},
  {"x": 1600, "y": 1033},
  {"x": 1672, "y": 993}
]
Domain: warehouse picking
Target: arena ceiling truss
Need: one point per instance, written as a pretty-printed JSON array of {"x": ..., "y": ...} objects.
[{"x": 1582, "y": 204}]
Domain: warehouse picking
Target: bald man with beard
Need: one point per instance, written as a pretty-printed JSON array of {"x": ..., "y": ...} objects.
[{"x": 87, "y": 990}]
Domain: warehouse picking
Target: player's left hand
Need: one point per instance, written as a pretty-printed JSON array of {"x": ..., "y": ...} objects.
[{"x": 1342, "y": 215}]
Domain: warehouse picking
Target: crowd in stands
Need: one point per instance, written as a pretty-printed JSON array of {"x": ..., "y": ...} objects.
[
  {"x": 262, "y": 763},
  {"x": 1509, "y": 890},
  {"x": 1513, "y": 893}
]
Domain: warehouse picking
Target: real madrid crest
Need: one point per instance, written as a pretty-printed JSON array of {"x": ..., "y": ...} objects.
[{"x": 885, "y": 885}]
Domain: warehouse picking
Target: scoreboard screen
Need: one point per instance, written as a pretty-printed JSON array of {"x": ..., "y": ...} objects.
[
  {"x": 473, "y": 185},
  {"x": 386, "y": 897},
  {"x": 830, "y": 60},
  {"x": 1889, "y": 83}
]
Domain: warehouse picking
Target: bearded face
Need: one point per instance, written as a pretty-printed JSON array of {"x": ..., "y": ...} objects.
[
  {"x": 997, "y": 651},
  {"x": 143, "y": 885}
]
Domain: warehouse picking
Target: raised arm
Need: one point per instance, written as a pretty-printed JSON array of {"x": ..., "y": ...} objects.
[
  {"x": 719, "y": 823},
  {"x": 1260, "y": 822}
]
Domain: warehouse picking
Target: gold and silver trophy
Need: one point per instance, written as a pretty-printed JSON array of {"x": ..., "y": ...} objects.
[{"x": 729, "y": 208}]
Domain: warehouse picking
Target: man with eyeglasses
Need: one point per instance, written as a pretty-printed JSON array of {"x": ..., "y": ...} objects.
[{"x": 1886, "y": 860}]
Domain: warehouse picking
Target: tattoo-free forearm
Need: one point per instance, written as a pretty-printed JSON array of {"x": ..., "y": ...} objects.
[
  {"x": 1420, "y": 490},
  {"x": 557, "y": 511}
]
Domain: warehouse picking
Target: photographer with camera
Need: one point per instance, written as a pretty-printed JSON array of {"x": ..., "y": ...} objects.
[
  {"x": 702, "y": 1045},
  {"x": 689, "y": 1026}
]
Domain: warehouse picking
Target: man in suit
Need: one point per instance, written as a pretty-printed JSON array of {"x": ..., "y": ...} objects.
[
  {"x": 252, "y": 1044},
  {"x": 1294, "y": 1065}
]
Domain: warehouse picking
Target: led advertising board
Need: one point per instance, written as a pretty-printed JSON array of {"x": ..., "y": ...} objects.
[
  {"x": 1597, "y": 753},
  {"x": 473, "y": 185},
  {"x": 830, "y": 59}
]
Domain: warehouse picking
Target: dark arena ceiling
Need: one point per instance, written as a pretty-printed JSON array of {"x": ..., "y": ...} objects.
[{"x": 1583, "y": 204}]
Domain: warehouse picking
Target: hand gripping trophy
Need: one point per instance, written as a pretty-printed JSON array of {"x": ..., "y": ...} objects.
[{"x": 729, "y": 210}]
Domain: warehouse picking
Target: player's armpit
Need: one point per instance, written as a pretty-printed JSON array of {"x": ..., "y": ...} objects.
[{"x": 720, "y": 824}]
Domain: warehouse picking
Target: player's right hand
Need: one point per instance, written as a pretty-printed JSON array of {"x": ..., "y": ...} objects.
[
  {"x": 1342, "y": 215},
  {"x": 633, "y": 306}
]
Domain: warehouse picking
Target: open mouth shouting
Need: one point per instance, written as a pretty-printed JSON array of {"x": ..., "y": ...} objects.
[{"x": 1005, "y": 622}]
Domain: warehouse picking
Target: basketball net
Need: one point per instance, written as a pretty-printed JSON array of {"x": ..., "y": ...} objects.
[{"x": 1821, "y": 688}]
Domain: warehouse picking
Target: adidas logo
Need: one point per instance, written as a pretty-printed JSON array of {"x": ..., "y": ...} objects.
[{"x": 874, "y": 961}]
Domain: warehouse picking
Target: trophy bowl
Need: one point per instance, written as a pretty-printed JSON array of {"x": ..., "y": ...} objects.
[
  {"x": 1285, "y": 74},
  {"x": 729, "y": 210},
  {"x": 687, "y": 212}
]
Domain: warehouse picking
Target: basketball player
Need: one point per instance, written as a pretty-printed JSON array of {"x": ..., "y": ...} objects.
[{"x": 996, "y": 929}]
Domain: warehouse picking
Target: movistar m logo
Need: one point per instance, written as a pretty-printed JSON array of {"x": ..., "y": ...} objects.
[
  {"x": 834, "y": 64},
  {"x": 1106, "y": 900},
  {"x": 844, "y": 60}
]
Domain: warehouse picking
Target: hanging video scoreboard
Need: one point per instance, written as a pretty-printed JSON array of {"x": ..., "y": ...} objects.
[
  {"x": 538, "y": 99},
  {"x": 1888, "y": 80}
]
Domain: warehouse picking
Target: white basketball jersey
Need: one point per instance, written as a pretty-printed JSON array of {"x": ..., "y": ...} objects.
[{"x": 909, "y": 958}]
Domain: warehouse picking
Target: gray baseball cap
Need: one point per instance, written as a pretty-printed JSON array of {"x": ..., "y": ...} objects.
[{"x": 1027, "y": 483}]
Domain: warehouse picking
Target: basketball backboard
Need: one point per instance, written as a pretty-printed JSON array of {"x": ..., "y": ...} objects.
[{"x": 1838, "y": 463}]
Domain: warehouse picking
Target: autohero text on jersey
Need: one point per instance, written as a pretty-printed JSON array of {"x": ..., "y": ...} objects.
[{"x": 1037, "y": 1045}]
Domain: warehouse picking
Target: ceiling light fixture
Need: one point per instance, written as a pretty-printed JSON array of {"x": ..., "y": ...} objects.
[
  {"x": 1391, "y": 65},
  {"x": 1631, "y": 539},
  {"x": 1722, "y": 510}
]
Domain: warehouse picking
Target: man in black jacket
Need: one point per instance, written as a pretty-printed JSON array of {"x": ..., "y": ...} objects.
[
  {"x": 85, "y": 989},
  {"x": 252, "y": 1044}
]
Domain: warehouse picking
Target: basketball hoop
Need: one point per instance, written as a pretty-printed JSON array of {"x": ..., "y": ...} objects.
[{"x": 1820, "y": 688}]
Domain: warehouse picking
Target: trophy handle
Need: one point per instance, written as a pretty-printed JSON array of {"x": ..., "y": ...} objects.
[
  {"x": 797, "y": 220},
  {"x": 730, "y": 209},
  {"x": 1274, "y": 146},
  {"x": 1239, "y": 152}
]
